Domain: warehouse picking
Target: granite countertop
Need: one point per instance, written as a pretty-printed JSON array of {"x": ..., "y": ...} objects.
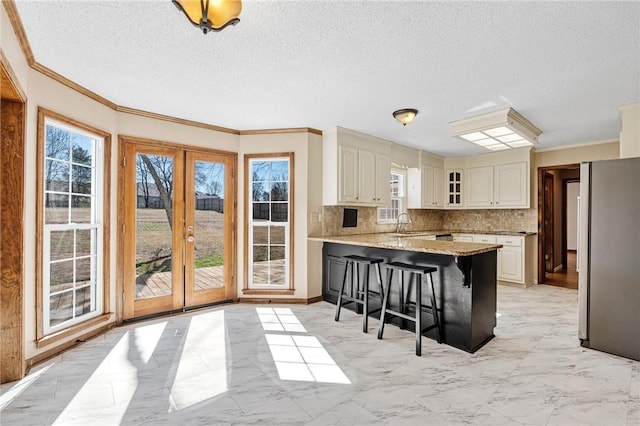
[{"x": 412, "y": 243}]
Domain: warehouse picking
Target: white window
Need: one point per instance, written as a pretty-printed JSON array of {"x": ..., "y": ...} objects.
[
  {"x": 72, "y": 231},
  {"x": 269, "y": 222},
  {"x": 397, "y": 204}
]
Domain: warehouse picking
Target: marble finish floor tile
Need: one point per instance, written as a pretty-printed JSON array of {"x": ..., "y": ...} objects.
[{"x": 229, "y": 366}]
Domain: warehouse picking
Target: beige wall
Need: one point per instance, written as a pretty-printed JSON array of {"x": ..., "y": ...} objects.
[{"x": 630, "y": 133}]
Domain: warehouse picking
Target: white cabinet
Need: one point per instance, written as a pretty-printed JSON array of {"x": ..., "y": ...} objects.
[
  {"x": 383, "y": 176},
  {"x": 500, "y": 186},
  {"x": 511, "y": 185},
  {"x": 511, "y": 259},
  {"x": 348, "y": 174},
  {"x": 356, "y": 169},
  {"x": 426, "y": 187},
  {"x": 480, "y": 187},
  {"x": 432, "y": 187},
  {"x": 453, "y": 188}
]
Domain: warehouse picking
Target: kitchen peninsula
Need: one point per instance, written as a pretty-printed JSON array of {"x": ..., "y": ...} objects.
[{"x": 465, "y": 283}]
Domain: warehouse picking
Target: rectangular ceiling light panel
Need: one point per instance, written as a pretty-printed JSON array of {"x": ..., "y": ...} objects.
[{"x": 497, "y": 130}]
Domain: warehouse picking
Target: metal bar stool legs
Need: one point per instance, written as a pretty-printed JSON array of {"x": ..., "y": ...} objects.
[{"x": 357, "y": 296}]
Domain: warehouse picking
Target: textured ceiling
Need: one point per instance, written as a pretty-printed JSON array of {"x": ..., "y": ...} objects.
[{"x": 566, "y": 66}]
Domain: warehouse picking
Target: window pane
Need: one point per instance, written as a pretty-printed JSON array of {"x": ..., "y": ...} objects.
[
  {"x": 61, "y": 276},
  {"x": 83, "y": 271},
  {"x": 279, "y": 212},
  {"x": 61, "y": 245},
  {"x": 80, "y": 209},
  {"x": 276, "y": 253},
  {"x": 56, "y": 208},
  {"x": 260, "y": 253},
  {"x": 82, "y": 149},
  {"x": 84, "y": 242},
  {"x": 258, "y": 192},
  {"x": 56, "y": 176},
  {"x": 277, "y": 234},
  {"x": 280, "y": 171},
  {"x": 260, "y": 171},
  {"x": 57, "y": 143},
  {"x": 83, "y": 301},
  {"x": 60, "y": 308},
  {"x": 81, "y": 179},
  {"x": 279, "y": 191},
  {"x": 260, "y": 235},
  {"x": 260, "y": 211}
]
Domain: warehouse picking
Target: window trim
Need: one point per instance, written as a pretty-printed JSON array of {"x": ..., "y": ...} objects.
[
  {"x": 104, "y": 314},
  {"x": 403, "y": 173},
  {"x": 289, "y": 289}
]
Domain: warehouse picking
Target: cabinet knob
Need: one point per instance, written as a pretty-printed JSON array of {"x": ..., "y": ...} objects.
[
  {"x": 491, "y": 202},
  {"x": 357, "y": 198}
]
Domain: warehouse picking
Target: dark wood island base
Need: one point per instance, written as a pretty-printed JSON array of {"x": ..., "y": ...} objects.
[{"x": 465, "y": 288}]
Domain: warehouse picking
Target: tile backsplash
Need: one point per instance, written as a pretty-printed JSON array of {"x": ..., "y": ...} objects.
[
  {"x": 368, "y": 223},
  {"x": 491, "y": 220},
  {"x": 466, "y": 220}
]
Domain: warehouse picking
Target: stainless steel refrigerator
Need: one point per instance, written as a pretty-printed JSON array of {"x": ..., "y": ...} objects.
[{"x": 609, "y": 257}]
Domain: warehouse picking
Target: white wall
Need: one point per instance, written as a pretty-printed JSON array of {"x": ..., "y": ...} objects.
[
  {"x": 573, "y": 191},
  {"x": 630, "y": 132}
]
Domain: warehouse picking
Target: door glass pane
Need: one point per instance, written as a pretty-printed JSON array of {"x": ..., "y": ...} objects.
[
  {"x": 154, "y": 222},
  {"x": 208, "y": 232}
]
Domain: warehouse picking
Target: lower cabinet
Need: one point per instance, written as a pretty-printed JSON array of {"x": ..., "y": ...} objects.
[
  {"x": 333, "y": 273},
  {"x": 510, "y": 259}
]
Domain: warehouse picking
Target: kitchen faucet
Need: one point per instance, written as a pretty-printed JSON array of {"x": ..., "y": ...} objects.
[{"x": 402, "y": 228}]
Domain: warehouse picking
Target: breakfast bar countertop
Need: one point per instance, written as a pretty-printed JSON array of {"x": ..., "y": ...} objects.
[{"x": 411, "y": 242}]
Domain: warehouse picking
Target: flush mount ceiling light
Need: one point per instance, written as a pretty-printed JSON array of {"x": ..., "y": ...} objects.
[
  {"x": 497, "y": 130},
  {"x": 210, "y": 15},
  {"x": 405, "y": 116}
]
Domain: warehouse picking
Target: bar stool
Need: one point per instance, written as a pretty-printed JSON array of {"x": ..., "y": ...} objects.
[
  {"x": 360, "y": 297},
  {"x": 416, "y": 272}
]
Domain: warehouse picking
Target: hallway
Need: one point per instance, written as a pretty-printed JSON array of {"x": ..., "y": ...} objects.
[{"x": 566, "y": 277}]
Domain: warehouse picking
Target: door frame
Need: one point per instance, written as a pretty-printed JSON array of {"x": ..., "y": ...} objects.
[
  {"x": 123, "y": 140},
  {"x": 542, "y": 237}
]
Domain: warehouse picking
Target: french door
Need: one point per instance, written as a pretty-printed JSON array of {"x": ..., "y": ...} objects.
[{"x": 178, "y": 229}]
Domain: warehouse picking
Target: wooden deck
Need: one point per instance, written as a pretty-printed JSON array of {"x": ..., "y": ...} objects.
[{"x": 159, "y": 283}]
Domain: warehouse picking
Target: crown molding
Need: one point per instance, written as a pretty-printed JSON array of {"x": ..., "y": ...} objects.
[{"x": 280, "y": 131}]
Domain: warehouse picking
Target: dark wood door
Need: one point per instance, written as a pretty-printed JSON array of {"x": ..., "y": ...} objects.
[{"x": 548, "y": 222}]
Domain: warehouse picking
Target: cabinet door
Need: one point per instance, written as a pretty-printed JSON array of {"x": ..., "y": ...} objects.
[
  {"x": 427, "y": 186},
  {"x": 453, "y": 188},
  {"x": 383, "y": 175},
  {"x": 479, "y": 188},
  {"x": 438, "y": 187},
  {"x": 348, "y": 174},
  {"x": 366, "y": 177},
  {"x": 511, "y": 185},
  {"x": 510, "y": 264}
]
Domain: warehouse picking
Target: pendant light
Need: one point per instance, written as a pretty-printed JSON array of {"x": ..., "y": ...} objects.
[{"x": 210, "y": 15}]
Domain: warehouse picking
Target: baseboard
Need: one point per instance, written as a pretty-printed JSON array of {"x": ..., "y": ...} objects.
[
  {"x": 41, "y": 357},
  {"x": 282, "y": 300}
]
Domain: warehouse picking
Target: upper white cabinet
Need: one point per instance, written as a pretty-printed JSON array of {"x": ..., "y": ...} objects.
[
  {"x": 426, "y": 184},
  {"x": 432, "y": 189},
  {"x": 453, "y": 188},
  {"x": 511, "y": 183},
  {"x": 479, "y": 188},
  {"x": 356, "y": 169},
  {"x": 499, "y": 186}
]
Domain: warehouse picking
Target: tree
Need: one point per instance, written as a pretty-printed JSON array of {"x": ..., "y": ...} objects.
[
  {"x": 143, "y": 180},
  {"x": 162, "y": 183}
]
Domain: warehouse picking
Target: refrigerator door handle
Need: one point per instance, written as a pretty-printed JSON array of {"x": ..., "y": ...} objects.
[{"x": 583, "y": 252}]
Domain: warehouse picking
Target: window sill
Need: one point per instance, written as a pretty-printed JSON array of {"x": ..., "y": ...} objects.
[
  {"x": 285, "y": 291},
  {"x": 64, "y": 334}
]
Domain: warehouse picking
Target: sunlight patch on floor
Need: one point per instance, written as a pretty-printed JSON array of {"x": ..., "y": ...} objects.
[
  {"x": 202, "y": 369},
  {"x": 15, "y": 390},
  {"x": 132, "y": 352},
  {"x": 298, "y": 357}
]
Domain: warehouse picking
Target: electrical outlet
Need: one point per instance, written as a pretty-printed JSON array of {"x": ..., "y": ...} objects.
[{"x": 477, "y": 217}]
